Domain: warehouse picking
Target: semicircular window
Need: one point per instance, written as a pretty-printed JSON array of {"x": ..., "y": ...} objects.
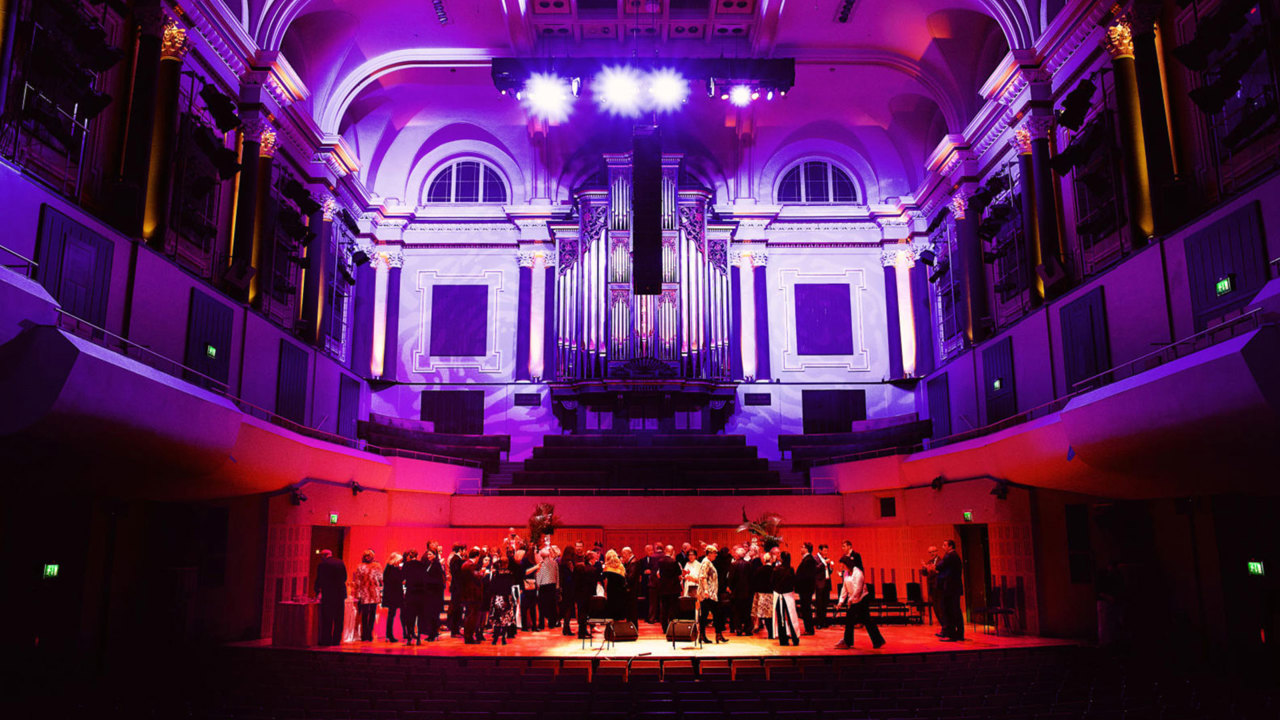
[
  {"x": 816, "y": 182},
  {"x": 467, "y": 181}
]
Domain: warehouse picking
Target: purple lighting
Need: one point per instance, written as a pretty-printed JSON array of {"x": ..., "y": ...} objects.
[
  {"x": 547, "y": 97},
  {"x": 741, "y": 95}
]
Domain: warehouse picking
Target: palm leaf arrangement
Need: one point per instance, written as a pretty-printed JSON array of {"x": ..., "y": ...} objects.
[
  {"x": 766, "y": 527},
  {"x": 543, "y": 521}
]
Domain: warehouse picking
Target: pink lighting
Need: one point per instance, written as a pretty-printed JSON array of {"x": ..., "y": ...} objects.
[
  {"x": 377, "y": 361},
  {"x": 537, "y": 321},
  {"x": 748, "y": 298}
]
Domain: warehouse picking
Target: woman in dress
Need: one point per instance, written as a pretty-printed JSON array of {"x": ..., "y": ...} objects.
[
  {"x": 502, "y": 607},
  {"x": 393, "y": 592},
  {"x": 784, "y": 598},
  {"x": 617, "y": 596},
  {"x": 762, "y": 590},
  {"x": 366, "y": 582}
]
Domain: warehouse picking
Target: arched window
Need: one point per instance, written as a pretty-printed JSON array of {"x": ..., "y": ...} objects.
[
  {"x": 467, "y": 181},
  {"x": 816, "y": 181}
]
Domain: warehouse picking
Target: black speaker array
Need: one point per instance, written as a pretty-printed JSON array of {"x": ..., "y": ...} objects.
[{"x": 646, "y": 189}]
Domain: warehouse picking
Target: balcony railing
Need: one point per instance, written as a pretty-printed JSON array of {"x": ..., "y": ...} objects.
[
  {"x": 106, "y": 339},
  {"x": 18, "y": 263},
  {"x": 1206, "y": 338}
]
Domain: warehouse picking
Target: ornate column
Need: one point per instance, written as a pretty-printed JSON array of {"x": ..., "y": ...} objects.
[
  {"x": 1049, "y": 264},
  {"x": 173, "y": 49},
  {"x": 747, "y": 341},
  {"x": 1156, "y": 132},
  {"x": 1119, "y": 44},
  {"x": 136, "y": 166},
  {"x": 394, "y": 261},
  {"x": 242, "y": 257},
  {"x": 538, "y": 317},
  {"x": 760, "y": 289},
  {"x": 524, "y": 312},
  {"x": 923, "y": 323},
  {"x": 363, "y": 311},
  {"x": 969, "y": 253},
  {"x": 1030, "y": 230},
  {"x": 319, "y": 259},
  {"x": 897, "y": 260},
  {"x": 263, "y": 239}
]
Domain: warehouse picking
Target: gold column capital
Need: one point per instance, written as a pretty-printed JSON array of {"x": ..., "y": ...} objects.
[
  {"x": 173, "y": 41},
  {"x": 329, "y": 208},
  {"x": 1119, "y": 39},
  {"x": 959, "y": 204},
  {"x": 1022, "y": 141}
]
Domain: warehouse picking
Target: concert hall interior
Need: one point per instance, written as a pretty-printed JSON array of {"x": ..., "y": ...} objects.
[{"x": 851, "y": 278}]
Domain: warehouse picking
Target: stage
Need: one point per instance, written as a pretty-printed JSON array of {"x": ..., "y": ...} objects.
[{"x": 651, "y": 645}]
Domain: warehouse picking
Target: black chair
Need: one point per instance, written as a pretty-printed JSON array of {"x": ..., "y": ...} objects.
[
  {"x": 597, "y": 614},
  {"x": 993, "y": 612},
  {"x": 915, "y": 599}
]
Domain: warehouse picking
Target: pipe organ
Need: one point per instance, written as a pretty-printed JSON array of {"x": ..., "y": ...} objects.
[{"x": 605, "y": 330}]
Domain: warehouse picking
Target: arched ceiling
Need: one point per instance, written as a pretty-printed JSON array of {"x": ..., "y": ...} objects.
[{"x": 895, "y": 78}]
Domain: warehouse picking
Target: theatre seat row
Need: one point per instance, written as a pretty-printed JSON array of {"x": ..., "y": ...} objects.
[
  {"x": 386, "y": 432},
  {"x": 807, "y": 449}
]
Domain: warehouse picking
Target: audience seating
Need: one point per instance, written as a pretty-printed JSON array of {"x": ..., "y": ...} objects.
[
  {"x": 415, "y": 436},
  {"x": 866, "y": 436},
  {"x": 1038, "y": 683}
]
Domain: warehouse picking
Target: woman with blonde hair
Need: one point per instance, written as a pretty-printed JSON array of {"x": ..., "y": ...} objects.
[
  {"x": 616, "y": 593},
  {"x": 367, "y": 585},
  {"x": 393, "y": 592}
]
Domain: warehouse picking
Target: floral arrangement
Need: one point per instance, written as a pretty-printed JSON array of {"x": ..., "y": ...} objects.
[
  {"x": 765, "y": 527},
  {"x": 543, "y": 521}
]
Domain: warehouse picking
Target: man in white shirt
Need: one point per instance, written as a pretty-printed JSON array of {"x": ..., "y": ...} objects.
[{"x": 853, "y": 597}]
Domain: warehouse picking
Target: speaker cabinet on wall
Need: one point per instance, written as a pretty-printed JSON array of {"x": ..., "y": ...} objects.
[{"x": 646, "y": 193}]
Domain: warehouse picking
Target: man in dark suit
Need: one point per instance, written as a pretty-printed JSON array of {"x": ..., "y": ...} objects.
[
  {"x": 668, "y": 585},
  {"x": 929, "y": 568},
  {"x": 454, "y": 619},
  {"x": 651, "y": 577},
  {"x": 331, "y": 586},
  {"x": 821, "y": 586},
  {"x": 635, "y": 583},
  {"x": 806, "y": 578},
  {"x": 470, "y": 595},
  {"x": 951, "y": 587}
]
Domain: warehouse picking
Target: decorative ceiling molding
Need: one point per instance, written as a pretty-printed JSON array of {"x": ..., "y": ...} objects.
[
  {"x": 330, "y": 115},
  {"x": 928, "y": 78}
]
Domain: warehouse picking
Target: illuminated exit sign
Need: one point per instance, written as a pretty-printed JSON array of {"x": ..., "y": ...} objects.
[
  {"x": 51, "y": 570},
  {"x": 1255, "y": 568},
  {"x": 333, "y": 518},
  {"x": 211, "y": 352},
  {"x": 1225, "y": 285}
]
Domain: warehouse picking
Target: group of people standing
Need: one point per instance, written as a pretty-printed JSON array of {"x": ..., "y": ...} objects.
[{"x": 749, "y": 589}]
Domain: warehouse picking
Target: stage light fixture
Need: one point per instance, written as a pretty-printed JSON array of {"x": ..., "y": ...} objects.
[
  {"x": 927, "y": 257},
  {"x": 938, "y": 482},
  {"x": 356, "y": 488},
  {"x": 939, "y": 271},
  {"x": 359, "y": 257},
  {"x": 741, "y": 95},
  {"x": 667, "y": 90},
  {"x": 618, "y": 90},
  {"x": 1076, "y": 105},
  {"x": 296, "y": 497},
  {"x": 548, "y": 97}
]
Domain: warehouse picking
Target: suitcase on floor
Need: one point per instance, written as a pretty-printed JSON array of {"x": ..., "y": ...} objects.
[
  {"x": 621, "y": 631},
  {"x": 682, "y": 631}
]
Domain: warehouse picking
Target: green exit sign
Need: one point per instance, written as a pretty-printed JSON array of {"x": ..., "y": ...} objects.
[
  {"x": 968, "y": 516},
  {"x": 1255, "y": 568},
  {"x": 333, "y": 518},
  {"x": 211, "y": 352},
  {"x": 50, "y": 570},
  {"x": 1225, "y": 285},
  {"x": 997, "y": 384}
]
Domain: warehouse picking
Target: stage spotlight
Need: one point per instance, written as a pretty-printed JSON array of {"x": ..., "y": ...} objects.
[
  {"x": 1001, "y": 490},
  {"x": 356, "y": 488},
  {"x": 1076, "y": 105},
  {"x": 740, "y": 95},
  {"x": 939, "y": 271},
  {"x": 617, "y": 90},
  {"x": 928, "y": 257},
  {"x": 359, "y": 257},
  {"x": 547, "y": 97},
  {"x": 938, "y": 482},
  {"x": 667, "y": 90},
  {"x": 296, "y": 497}
]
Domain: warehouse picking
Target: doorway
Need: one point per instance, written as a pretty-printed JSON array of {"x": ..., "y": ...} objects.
[
  {"x": 975, "y": 550},
  {"x": 324, "y": 537}
]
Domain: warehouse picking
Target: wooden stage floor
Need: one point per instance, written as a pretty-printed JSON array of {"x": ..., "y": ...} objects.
[{"x": 551, "y": 644}]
